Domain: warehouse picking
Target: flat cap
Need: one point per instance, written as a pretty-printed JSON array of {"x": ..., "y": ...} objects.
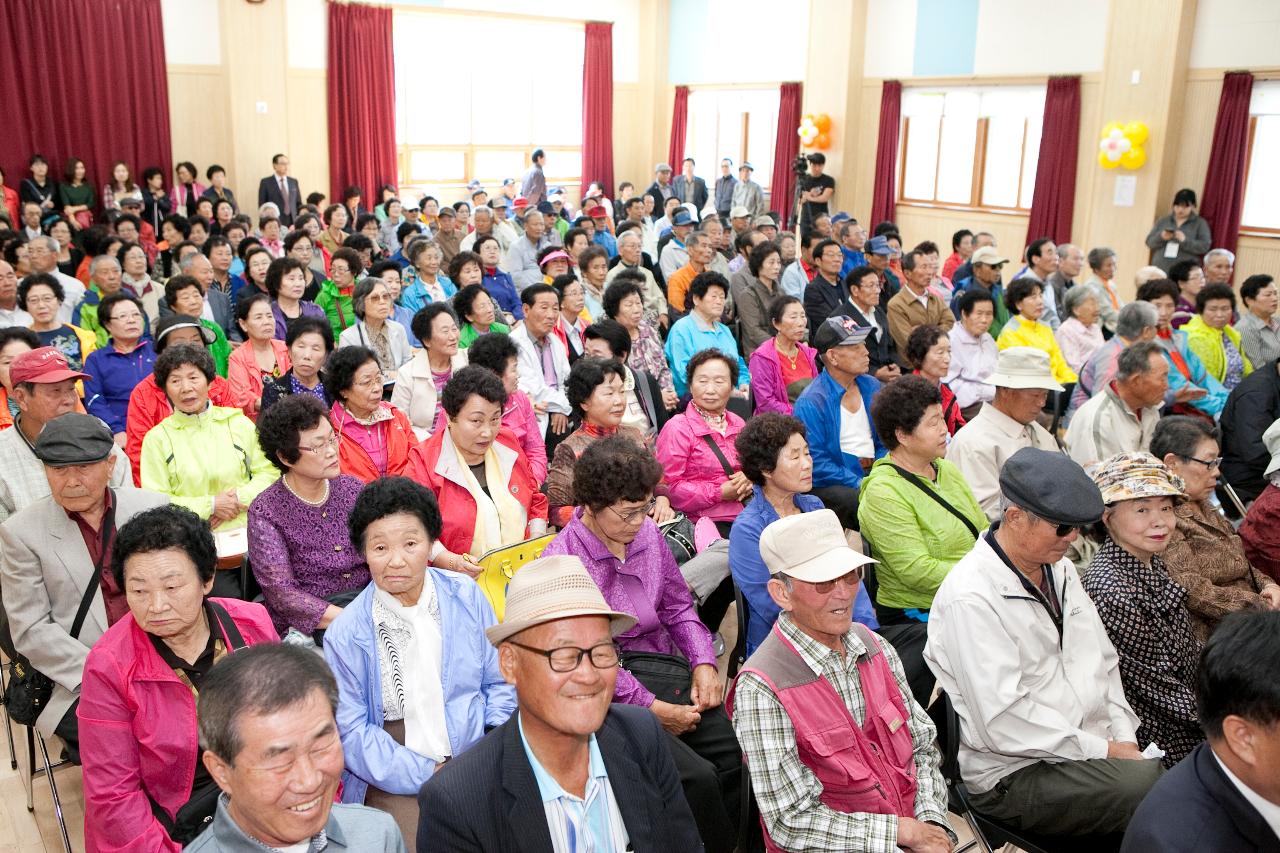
[
  {"x": 1051, "y": 486},
  {"x": 73, "y": 439}
]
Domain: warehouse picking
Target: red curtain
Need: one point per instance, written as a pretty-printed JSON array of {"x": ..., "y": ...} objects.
[
  {"x": 1224, "y": 181},
  {"x": 362, "y": 99},
  {"x": 679, "y": 127},
  {"x": 597, "y": 107},
  {"x": 782, "y": 184},
  {"x": 1054, "y": 200},
  {"x": 884, "y": 194},
  {"x": 68, "y": 91}
]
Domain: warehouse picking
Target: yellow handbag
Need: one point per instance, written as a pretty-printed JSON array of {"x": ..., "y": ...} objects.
[{"x": 500, "y": 566}]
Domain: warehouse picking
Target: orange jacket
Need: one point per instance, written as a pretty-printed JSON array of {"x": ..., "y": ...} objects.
[{"x": 400, "y": 440}]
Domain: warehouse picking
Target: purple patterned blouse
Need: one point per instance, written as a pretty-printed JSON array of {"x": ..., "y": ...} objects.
[
  {"x": 648, "y": 585},
  {"x": 300, "y": 553}
]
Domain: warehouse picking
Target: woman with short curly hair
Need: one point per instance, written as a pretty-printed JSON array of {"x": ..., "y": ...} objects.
[{"x": 919, "y": 515}]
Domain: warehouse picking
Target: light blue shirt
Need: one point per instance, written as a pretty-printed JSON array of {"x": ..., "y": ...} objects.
[
  {"x": 688, "y": 337},
  {"x": 578, "y": 824}
]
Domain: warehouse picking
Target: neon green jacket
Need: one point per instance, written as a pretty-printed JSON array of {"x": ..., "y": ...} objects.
[
  {"x": 915, "y": 538},
  {"x": 1206, "y": 342},
  {"x": 193, "y": 458}
]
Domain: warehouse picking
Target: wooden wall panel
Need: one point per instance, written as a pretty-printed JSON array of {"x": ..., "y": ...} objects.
[
  {"x": 938, "y": 224},
  {"x": 197, "y": 118},
  {"x": 308, "y": 131}
]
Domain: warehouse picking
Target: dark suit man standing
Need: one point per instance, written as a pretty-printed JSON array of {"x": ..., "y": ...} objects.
[
  {"x": 281, "y": 190},
  {"x": 567, "y": 764},
  {"x": 690, "y": 189},
  {"x": 1225, "y": 796}
]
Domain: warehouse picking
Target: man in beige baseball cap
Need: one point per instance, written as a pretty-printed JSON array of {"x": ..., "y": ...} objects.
[
  {"x": 567, "y": 770},
  {"x": 825, "y": 701},
  {"x": 1023, "y": 380}
]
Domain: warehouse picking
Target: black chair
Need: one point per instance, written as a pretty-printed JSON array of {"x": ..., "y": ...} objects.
[
  {"x": 738, "y": 656},
  {"x": 989, "y": 833}
]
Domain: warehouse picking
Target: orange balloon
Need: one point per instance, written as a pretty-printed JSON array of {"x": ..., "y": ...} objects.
[
  {"x": 822, "y": 142},
  {"x": 823, "y": 122}
]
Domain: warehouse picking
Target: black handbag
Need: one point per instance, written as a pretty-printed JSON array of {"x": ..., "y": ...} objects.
[
  {"x": 668, "y": 677},
  {"x": 678, "y": 533},
  {"x": 28, "y": 690}
]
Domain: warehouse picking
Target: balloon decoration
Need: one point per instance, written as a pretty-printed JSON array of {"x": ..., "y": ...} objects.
[
  {"x": 815, "y": 131},
  {"x": 1121, "y": 145}
]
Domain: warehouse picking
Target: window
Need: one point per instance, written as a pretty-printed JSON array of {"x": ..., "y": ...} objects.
[
  {"x": 741, "y": 124},
  {"x": 971, "y": 147},
  {"x": 1261, "y": 203},
  {"x": 469, "y": 106}
]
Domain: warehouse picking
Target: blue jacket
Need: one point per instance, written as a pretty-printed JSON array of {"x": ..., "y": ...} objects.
[
  {"x": 852, "y": 260},
  {"x": 415, "y": 296},
  {"x": 607, "y": 241},
  {"x": 503, "y": 290},
  {"x": 819, "y": 409},
  {"x": 752, "y": 576},
  {"x": 1212, "y": 402},
  {"x": 112, "y": 378},
  {"x": 476, "y": 696}
]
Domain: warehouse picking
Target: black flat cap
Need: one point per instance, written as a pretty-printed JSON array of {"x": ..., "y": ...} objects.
[
  {"x": 1051, "y": 486},
  {"x": 74, "y": 439}
]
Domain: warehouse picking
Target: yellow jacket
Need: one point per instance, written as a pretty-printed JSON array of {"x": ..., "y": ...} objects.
[
  {"x": 1021, "y": 332},
  {"x": 1206, "y": 342}
]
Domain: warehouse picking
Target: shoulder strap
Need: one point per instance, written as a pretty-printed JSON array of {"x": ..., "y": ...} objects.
[
  {"x": 106, "y": 531},
  {"x": 715, "y": 448},
  {"x": 915, "y": 481},
  {"x": 228, "y": 626}
]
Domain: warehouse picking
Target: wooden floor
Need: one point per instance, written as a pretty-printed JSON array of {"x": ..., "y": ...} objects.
[{"x": 37, "y": 832}]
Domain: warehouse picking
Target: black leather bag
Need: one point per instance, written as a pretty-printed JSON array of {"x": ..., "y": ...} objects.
[
  {"x": 667, "y": 677},
  {"x": 678, "y": 533}
]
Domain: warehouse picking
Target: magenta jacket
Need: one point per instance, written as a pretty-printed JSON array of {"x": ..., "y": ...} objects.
[
  {"x": 766, "y": 377},
  {"x": 522, "y": 420},
  {"x": 138, "y": 734},
  {"x": 692, "y": 469}
]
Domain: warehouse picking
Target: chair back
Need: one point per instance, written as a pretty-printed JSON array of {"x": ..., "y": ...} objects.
[
  {"x": 947, "y": 722},
  {"x": 869, "y": 579},
  {"x": 738, "y": 657}
]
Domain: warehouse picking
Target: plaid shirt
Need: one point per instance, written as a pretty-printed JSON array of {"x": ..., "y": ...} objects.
[{"x": 787, "y": 791}]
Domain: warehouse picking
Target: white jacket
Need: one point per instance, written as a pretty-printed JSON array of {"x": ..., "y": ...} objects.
[
  {"x": 1023, "y": 692},
  {"x": 532, "y": 381},
  {"x": 415, "y": 391}
]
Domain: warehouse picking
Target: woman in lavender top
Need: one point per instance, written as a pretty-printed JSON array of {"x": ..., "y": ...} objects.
[
  {"x": 298, "y": 542},
  {"x": 623, "y": 550}
]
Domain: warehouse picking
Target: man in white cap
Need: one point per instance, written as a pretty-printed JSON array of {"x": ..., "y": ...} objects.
[
  {"x": 824, "y": 769},
  {"x": 568, "y": 771},
  {"x": 1007, "y": 424},
  {"x": 661, "y": 190},
  {"x": 739, "y": 219}
]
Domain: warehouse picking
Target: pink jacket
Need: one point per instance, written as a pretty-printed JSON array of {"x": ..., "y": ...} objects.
[
  {"x": 766, "y": 377},
  {"x": 138, "y": 734},
  {"x": 522, "y": 420},
  {"x": 693, "y": 470}
]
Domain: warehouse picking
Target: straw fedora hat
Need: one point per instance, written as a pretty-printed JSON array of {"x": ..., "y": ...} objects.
[{"x": 551, "y": 588}]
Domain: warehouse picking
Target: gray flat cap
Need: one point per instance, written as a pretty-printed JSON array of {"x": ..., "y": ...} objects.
[
  {"x": 73, "y": 439},
  {"x": 1051, "y": 486}
]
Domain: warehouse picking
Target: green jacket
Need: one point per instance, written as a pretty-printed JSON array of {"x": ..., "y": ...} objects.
[
  {"x": 468, "y": 334},
  {"x": 1206, "y": 342},
  {"x": 915, "y": 538},
  {"x": 337, "y": 307},
  {"x": 220, "y": 349},
  {"x": 193, "y": 458}
]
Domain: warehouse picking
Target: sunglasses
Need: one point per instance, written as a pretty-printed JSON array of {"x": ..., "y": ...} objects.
[{"x": 852, "y": 579}]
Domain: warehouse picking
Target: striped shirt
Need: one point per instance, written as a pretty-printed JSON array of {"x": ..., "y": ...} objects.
[
  {"x": 788, "y": 792},
  {"x": 590, "y": 824}
]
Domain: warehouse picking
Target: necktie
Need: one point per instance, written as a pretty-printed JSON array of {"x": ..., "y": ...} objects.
[{"x": 284, "y": 194}]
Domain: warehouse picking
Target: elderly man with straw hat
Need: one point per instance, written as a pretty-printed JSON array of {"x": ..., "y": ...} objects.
[
  {"x": 837, "y": 747},
  {"x": 1023, "y": 380},
  {"x": 568, "y": 771}
]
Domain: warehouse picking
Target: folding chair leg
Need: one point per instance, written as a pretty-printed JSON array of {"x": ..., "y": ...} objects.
[
  {"x": 53, "y": 791},
  {"x": 976, "y": 830},
  {"x": 8, "y": 727},
  {"x": 30, "y": 775}
]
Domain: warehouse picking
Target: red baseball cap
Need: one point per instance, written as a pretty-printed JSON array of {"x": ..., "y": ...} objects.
[
  {"x": 597, "y": 211},
  {"x": 520, "y": 202},
  {"x": 43, "y": 365}
]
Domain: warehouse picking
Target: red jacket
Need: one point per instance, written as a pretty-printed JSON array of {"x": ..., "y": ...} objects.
[
  {"x": 356, "y": 462},
  {"x": 457, "y": 506},
  {"x": 148, "y": 406},
  {"x": 138, "y": 733}
]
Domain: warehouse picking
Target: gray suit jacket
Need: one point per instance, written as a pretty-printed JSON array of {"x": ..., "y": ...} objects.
[{"x": 43, "y": 576}]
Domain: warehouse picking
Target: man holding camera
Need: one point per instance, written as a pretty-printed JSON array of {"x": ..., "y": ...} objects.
[{"x": 816, "y": 190}]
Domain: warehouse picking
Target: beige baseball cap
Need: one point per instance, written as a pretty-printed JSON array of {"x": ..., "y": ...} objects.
[
  {"x": 989, "y": 256},
  {"x": 810, "y": 547}
]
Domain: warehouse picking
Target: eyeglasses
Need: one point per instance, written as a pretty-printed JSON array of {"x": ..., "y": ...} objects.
[
  {"x": 1211, "y": 464},
  {"x": 850, "y": 580},
  {"x": 569, "y": 658},
  {"x": 324, "y": 446},
  {"x": 1064, "y": 530},
  {"x": 634, "y": 515}
]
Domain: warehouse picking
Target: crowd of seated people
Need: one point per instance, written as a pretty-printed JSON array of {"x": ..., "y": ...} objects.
[{"x": 313, "y": 426}]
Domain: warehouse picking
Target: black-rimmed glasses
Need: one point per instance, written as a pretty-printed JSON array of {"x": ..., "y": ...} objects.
[
  {"x": 1211, "y": 464},
  {"x": 569, "y": 658}
]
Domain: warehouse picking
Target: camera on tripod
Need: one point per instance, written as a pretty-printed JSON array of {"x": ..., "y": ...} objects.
[{"x": 800, "y": 165}]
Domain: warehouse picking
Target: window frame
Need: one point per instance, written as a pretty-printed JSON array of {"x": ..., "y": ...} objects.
[
  {"x": 978, "y": 177},
  {"x": 762, "y": 177},
  {"x": 492, "y": 183},
  {"x": 1253, "y": 230}
]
